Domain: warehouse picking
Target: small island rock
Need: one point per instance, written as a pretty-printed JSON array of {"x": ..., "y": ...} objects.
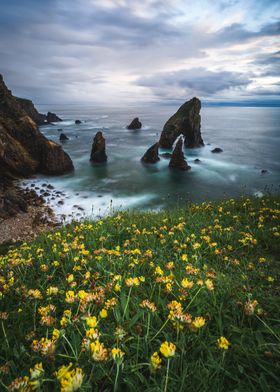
[
  {"x": 78, "y": 122},
  {"x": 151, "y": 155},
  {"x": 135, "y": 124},
  {"x": 52, "y": 117},
  {"x": 178, "y": 160},
  {"x": 217, "y": 150},
  {"x": 63, "y": 137},
  {"x": 98, "y": 153}
]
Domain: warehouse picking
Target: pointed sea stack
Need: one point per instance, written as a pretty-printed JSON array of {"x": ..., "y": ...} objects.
[
  {"x": 98, "y": 153},
  {"x": 135, "y": 124},
  {"x": 151, "y": 155},
  {"x": 185, "y": 121},
  {"x": 52, "y": 117},
  {"x": 178, "y": 160}
]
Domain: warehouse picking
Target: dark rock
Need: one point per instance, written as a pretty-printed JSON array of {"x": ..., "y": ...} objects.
[
  {"x": 135, "y": 124},
  {"x": 217, "y": 150},
  {"x": 178, "y": 160},
  {"x": 63, "y": 137},
  {"x": 52, "y": 117},
  {"x": 49, "y": 186},
  {"x": 98, "y": 153},
  {"x": 264, "y": 171},
  {"x": 61, "y": 202},
  {"x": 24, "y": 151},
  {"x": 46, "y": 194},
  {"x": 166, "y": 155},
  {"x": 185, "y": 121},
  {"x": 31, "y": 111},
  {"x": 78, "y": 122},
  {"x": 197, "y": 160},
  {"x": 151, "y": 155},
  {"x": 59, "y": 130},
  {"x": 44, "y": 184}
]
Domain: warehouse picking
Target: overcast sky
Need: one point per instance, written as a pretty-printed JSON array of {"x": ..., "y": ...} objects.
[{"x": 140, "y": 51}]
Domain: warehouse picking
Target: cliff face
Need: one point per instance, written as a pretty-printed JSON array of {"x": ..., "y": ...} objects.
[
  {"x": 23, "y": 149},
  {"x": 31, "y": 111},
  {"x": 185, "y": 121}
]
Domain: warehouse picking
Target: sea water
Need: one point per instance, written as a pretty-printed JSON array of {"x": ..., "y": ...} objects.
[{"x": 249, "y": 137}]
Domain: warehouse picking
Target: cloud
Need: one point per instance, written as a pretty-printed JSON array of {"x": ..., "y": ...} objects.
[
  {"x": 194, "y": 81},
  {"x": 108, "y": 50}
]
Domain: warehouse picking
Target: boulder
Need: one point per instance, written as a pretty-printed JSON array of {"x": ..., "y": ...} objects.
[
  {"x": 78, "y": 122},
  {"x": 178, "y": 160},
  {"x": 185, "y": 121},
  {"x": 197, "y": 160},
  {"x": 217, "y": 150},
  {"x": 63, "y": 137},
  {"x": 151, "y": 155},
  {"x": 98, "y": 153},
  {"x": 135, "y": 124},
  {"x": 52, "y": 117}
]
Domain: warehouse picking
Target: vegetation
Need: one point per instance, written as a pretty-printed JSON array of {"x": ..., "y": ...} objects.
[{"x": 183, "y": 300}]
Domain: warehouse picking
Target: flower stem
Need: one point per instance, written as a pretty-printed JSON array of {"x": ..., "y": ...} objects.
[
  {"x": 116, "y": 379},
  {"x": 127, "y": 302},
  {"x": 167, "y": 374}
]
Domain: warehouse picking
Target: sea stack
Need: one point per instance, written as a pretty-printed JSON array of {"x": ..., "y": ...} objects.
[
  {"x": 98, "y": 153},
  {"x": 178, "y": 160},
  {"x": 151, "y": 155},
  {"x": 52, "y": 117},
  {"x": 135, "y": 124},
  {"x": 185, "y": 121}
]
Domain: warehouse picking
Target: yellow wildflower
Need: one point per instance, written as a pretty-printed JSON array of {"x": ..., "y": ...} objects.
[
  {"x": 103, "y": 313},
  {"x": 198, "y": 322},
  {"x": 155, "y": 361},
  {"x": 168, "y": 349},
  {"x": 223, "y": 343},
  {"x": 98, "y": 351}
]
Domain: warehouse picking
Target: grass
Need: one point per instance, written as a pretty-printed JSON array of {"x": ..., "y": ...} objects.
[{"x": 182, "y": 300}]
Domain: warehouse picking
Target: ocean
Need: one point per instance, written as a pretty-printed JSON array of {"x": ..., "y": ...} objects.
[{"x": 249, "y": 137}]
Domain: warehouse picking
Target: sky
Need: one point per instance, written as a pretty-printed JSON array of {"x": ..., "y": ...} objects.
[{"x": 121, "y": 52}]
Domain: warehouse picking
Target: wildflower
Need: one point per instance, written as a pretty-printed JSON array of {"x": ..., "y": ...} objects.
[
  {"x": 20, "y": 384},
  {"x": 198, "y": 322},
  {"x": 37, "y": 371},
  {"x": 91, "y": 321},
  {"x": 92, "y": 333},
  {"x": 120, "y": 333},
  {"x": 70, "y": 296},
  {"x": 209, "y": 284},
  {"x": 149, "y": 305},
  {"x": 70, "y": 380},
  {"x": 98, "y": 351},
  {"x": 52, "y": 291},
  {"x": 223, "y": 343},
  {"x": 155, "y": 361},
  {"x": 103, "y": 313},
  {"x": 184, "y": 257},
  {"x": 168, "y": 349},
  {"x": 196, "y": 245},
  {"x": 186, "y": 283},
  {"x": 117, "y": 355},
  {"x": 250, "y": 307}
]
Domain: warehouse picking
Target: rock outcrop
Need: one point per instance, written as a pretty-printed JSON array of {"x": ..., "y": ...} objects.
[
  {"x": 23, "y": 149},
  {"x": 178, "y": 160},
  {"x": 52, "y": 117},
  {"x": 31, "y": 111},
  {"x": 78, "y": 122},
  {"x": 135, "y": 124},
  {"x": 151, "y": 155},
  {"x": 217, "y": 150},
  {"x": 185, "y": 121},
  {"x": 98, "y": 151},
  {"x": 63, "y": 137}
]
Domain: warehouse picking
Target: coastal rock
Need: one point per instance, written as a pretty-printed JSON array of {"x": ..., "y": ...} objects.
[
  {"x": 185, "y": 121},
  {"x": 98, "y": 153},
  {"x": 197, "y": 160},
  {"x": 24, "y": 150},
  {"x": 216, "y": 150},
  {"x": 63, "y": 137},
  {"x": 178, "y": 160},
  {"x": 78, "y": 122},
  {"x": 31, "y": 111},
  {"x": 151, "y": 155},
  {"x": 135, "y": 124},
  {"x": 52, "y": 117}
]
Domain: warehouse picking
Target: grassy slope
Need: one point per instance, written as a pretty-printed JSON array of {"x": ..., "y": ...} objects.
[{"x": 233, "y": 245}]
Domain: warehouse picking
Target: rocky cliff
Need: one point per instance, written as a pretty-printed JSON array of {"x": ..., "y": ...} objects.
[
  {"x": 23, "y": 149},
  {"x": 185, "y": 121}
]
